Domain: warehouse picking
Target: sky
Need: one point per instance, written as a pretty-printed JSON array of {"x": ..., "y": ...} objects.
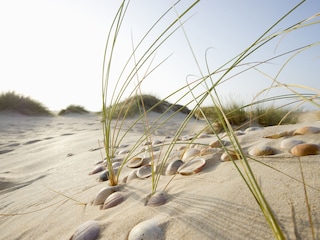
[{"x": 52, "y": 50}]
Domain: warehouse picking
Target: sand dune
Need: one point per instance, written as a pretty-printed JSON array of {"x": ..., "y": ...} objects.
[{"x": 46, "y": 191}]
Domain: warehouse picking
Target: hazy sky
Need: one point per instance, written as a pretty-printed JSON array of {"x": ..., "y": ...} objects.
[{"x": 52, "y": 50}]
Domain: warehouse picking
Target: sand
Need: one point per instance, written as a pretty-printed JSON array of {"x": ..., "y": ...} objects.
[{"x": 46, "y": 191}]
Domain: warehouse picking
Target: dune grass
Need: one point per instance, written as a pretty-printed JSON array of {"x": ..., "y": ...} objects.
[
  {"x": 13, "y": 102},
  {"x": 226, "y": 116},
  {"x": 73, "y": 109}
]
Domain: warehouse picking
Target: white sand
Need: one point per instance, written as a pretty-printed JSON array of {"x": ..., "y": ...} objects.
[{"x": 41, "y": 185}]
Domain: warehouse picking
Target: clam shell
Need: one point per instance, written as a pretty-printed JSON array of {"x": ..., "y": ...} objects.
[
  {"x": 218, "y": 144},
  {"x": 225, "y": 157},
  {"x": 135, "y": 162},
  {"x": 279, "y": 135},
  {"x": 262, "y": 150},
  {"x": 192, "y": 167},
  {"x": 190, "y": 153},
  {"x": 114, "y": 199},
  {"x": 289, "y": 143},
  {"x": 157, "y": 199},
  {"x": 146, "y": 230},
  {"x": 155, "y": 142},
  {"x": 305, "y": 149},
  {"x": 125, "y": 151},
  {"x": 96, "y": 169},
  {"x": 173, "y": 167},
  {"x": 104, "y": 193},
  {"x": 104, "y": 176},
  {"x": 306, "y": 130},
  {"x": 89, "y": 230},
  {"x": 132, "y": 175},
  {"x": 145, "y": 171},
  {"x": 208, "y": 151}
]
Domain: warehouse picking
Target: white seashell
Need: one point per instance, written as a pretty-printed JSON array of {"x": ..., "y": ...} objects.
[
  {"x": 208, "y": 151},
  {"x": 89, "y": 230},
  {"x": 218, "y": 144},
  {"x": 135, "y": 162},
  {"x": 306, "y": 130},
  {"x": 157, "y": 199},
  {"x": 192, "y": 167},
  {"x": 113, "y": 200},
  {"x": 305, "y": 149},
  {"x": 104, "y": 193},
  {"x": 250, "y": 129},
  {"x": 279, "y": 135},
  {"x": 145, "y": 171},
  {"x": 289, "y": 143},
  {"x": 173, "y": 167},
  {"x": 190, "y": 153},
  {"x": 262, "y": 150},
  {"x": 146, "y": 230},
  {"x": 132, "y": 175},
  {"x": 98, "y": 168},
  {"x": 204, "y": 135},
  {"x": 225, "y": 157},
  {"x": 155, "y": 142},
  {"x": 181, "y": 148},
  {"x": 125, "y": 151}
]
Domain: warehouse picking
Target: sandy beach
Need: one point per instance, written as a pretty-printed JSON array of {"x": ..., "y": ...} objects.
[{"x": 46, "y": 191}]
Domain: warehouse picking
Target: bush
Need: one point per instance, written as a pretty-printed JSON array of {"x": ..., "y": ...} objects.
[
  {"x": 73, "y": 109},
  {"x": 12, "y": 102}
]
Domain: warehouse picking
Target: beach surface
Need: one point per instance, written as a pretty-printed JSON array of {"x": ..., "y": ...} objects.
[{"x": 46, "y": 191}]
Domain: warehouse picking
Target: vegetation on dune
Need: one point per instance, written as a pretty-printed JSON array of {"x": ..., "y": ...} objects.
[
  {"x": 238, "y": 115},
  {"x": 12, "y": 102},
  {"x": 73, "y": 109},
  {"x": 137, "y": 104}
]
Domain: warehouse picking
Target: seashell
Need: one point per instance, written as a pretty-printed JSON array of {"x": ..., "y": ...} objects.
[
  {"x": 116, "y": 165},
  {"x": 190, "y": 153},
  {"x": 123, "y": 146},
  {"x": 147, "y": 144},
  {"x": 146, "y": 230},
  {"x": 113, "y": 200},
  {"x": 208, "y": 151},
  {"x": 145, "y": 171},
  {"x": 98, "y": 168},
  {"x": 131, "y": 176},
  {"x": 305, "y": 149},
  {"x": 125, "y": 151},
  {"x": 192, "y": 167},
  {"x": 181, "y": 148},
  {"x": 204, "y": 135},
  {"x": 155, "y": 142},
  {"x": 218, "y": 144},
  {"x": 306, "y": 130},
  {"x": 173, "y": 167},
  {"x": 250, "y": 129},
  {"x": 104, "y": 193},
  {"x": 89, "y": 230},
  {"x": 157, "y": 199},
  {"x": 262, "y": 150},
  {"x": 225, "y": 157},
  {"x": 150, "y": 149},
  {"x": 279, "y": 135},
  {"x": 104, "y": 176},
  {"x": 290, "y": 143},
  {"x": 135, "y": 162},
  {"x": 187, "y": 137}
]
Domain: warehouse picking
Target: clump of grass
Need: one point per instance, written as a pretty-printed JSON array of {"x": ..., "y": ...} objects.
[
  {"x": 133, "y": 106},
  {"x": 271, "y": 115},
  {"x": 12, "y": 102},
  {"x": 114, "y": 112},
  {"x": 73, "y": 109}
]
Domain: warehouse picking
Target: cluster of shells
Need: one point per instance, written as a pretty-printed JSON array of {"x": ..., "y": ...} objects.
[{"x": 188, "y": 159}]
